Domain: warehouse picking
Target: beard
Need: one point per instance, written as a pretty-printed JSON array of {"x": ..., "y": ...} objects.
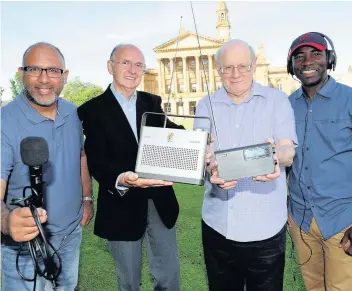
[
  {"x": 37, "y": 101},
  {"x": 313, "y": 82}
]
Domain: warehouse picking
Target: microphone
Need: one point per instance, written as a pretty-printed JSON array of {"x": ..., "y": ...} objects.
[{"x": 34, "y": 153}]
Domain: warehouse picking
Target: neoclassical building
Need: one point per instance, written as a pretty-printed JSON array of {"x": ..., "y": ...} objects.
[{"x": 182, "y": 55}]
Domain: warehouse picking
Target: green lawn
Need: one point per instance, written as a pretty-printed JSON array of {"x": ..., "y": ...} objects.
[{"x": 97, "y": 269}]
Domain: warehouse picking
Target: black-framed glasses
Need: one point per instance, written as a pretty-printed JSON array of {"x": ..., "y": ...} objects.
[
  {"x": 37, "y": 71},
  {"x": 140, "y": 67},
  {"x": 242, "y": 68}
]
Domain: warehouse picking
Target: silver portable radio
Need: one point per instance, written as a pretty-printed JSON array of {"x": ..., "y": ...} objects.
[
  {"x": 243, "y": 162},
  {"x": 169, "y": 154}
]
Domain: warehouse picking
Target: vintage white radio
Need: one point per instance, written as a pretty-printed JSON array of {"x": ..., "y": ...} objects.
[{"x": 169, "y": 154}]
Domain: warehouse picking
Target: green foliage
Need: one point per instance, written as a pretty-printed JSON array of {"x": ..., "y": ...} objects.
[
  {"x": 16, "y": 85},
  {"x": 79, "y": 92}
]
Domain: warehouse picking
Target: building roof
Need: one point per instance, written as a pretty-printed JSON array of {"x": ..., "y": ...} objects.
[
  {"x": 205, "y": 42},
  {"x": 222, "y": 6}
]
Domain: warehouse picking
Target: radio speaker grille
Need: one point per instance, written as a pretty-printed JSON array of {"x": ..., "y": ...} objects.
[{"x": 170, "y": 157}]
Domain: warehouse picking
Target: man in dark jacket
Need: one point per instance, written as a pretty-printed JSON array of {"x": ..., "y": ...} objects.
[{"x": 130, "y": 208}]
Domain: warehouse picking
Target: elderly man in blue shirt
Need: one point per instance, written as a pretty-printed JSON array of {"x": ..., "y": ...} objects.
[
  {"x": 320, "y": 205},
  {"x": 244, "y": 226}
]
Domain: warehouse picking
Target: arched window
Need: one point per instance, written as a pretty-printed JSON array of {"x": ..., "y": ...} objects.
[{"x": 222, "y": 16}]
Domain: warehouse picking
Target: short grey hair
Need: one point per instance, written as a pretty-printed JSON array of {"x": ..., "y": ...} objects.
[
  {"x": 121, "y": 46},
  {"x": 232, "y": 42},
  {"x": 42, "y": 43}
]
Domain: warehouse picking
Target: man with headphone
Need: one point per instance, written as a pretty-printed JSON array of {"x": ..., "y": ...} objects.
[{"x": 320, "y": 189}]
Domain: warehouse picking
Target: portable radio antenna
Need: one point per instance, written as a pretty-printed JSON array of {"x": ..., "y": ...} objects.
[
  {"x": 206, "y": 80},
  {"x": 172, "y": 74}
]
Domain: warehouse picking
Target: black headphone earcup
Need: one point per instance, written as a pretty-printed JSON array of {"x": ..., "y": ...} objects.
[
  {"x": 331, "y": 59},
  {"x": 328, "y": 59}
]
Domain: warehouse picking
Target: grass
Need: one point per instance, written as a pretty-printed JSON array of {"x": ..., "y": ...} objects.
[{"x": 97, "y": 269}]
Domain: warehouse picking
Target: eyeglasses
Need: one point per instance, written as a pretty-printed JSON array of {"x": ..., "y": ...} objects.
[
  {"x": 241, "y": 68},
  {"x": 128, "y": 64},
  {"x": 37, "y": 71}
]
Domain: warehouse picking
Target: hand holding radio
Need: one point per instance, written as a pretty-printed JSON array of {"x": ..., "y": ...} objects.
[
  {"x": 272, "y": 176},
  {"x": 209, "y": 158},
  {"x": 22, "y": 226},
  {"x": 215, "y": 179},
  {"x": 131, "y": 179}
]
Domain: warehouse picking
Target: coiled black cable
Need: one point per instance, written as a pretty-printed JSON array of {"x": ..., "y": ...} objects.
[{"x": 39, "y": 246}]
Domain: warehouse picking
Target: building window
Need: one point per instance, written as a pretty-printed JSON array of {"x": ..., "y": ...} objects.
[
  {"x": 168, "y": 88},
  {"x": 179, "y": 106},
  {"x": 181, "y": 88},
  {"x": 167, "y": 67},
  {"x": 205, "y": 65},
  {"x": 167, "y": 107},
  {"x": 222, "y": 17},
  {"x": 192, "y": 107},
  {"x": 179, "y": 66},
  {"x": 192, "y": 65},
  {"x": 193, "y": 87}
]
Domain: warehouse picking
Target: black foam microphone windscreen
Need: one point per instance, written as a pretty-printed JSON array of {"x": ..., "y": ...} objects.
[{"x": 34, "y": 151}]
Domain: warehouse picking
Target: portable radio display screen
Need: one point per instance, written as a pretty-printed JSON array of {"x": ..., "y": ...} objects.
[{"x": 256, "y": 153}]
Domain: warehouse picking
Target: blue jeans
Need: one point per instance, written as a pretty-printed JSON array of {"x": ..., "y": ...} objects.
[{"x": 68, "y": 247}]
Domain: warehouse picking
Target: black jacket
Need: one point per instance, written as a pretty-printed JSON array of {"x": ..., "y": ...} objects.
[{"x": 111, "y": 149}]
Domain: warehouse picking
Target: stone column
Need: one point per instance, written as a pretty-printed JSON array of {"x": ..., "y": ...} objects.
[
  {"x": 185, "y": 74},
  {"x": 198, "y": 75},
  {"x": 171, "y": 66},
  {"x": 163, "y": 81},
  {"x": 160, "y": 78},
  {"x": 211, "y": 73},
  {"x": 175, "y": 77}
]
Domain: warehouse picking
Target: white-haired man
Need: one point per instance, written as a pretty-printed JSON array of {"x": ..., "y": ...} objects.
[{"x": 243, "y": 227}]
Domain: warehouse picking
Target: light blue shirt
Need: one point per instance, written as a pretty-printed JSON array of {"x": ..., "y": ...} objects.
[
  {"x": 251, "y": 211},
  {"x": 61, "y": 174},
  {"x": 320, "y": 180},
  {"x": 129, "y": 108}
]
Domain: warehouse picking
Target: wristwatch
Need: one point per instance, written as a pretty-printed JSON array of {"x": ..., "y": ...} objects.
[{"x": 88, "y": 198}]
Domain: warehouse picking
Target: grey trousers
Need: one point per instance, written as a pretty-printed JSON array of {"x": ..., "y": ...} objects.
[{"x": 162, "y": 255}]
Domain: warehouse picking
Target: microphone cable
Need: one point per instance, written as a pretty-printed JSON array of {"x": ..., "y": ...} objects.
[{"x": 38, "y": 247}]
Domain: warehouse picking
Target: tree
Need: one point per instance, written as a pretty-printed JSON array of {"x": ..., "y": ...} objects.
[
  {"x": 1, "y": 92},
  {"x": 16, "y": 85},
  {"x": 79, "y": 92}
]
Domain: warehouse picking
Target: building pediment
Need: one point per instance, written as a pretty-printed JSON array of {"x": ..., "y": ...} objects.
[{"x": 187, "y": 41}]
